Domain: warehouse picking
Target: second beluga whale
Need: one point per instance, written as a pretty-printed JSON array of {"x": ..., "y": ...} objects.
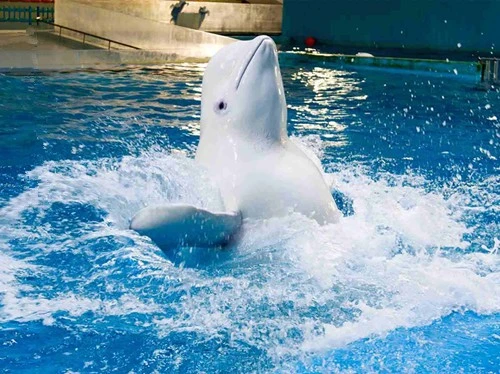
[{"x": 260, "y": 171}]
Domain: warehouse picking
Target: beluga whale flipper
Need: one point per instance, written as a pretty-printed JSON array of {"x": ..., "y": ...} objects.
[
  {"x": 244, "y": 146},
  {"x": 173, "y": 225}
]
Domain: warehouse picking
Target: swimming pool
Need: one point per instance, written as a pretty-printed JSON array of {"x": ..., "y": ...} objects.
[{"x": 408, "y": 281}]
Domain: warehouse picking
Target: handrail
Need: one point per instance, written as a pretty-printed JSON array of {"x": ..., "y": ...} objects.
[
  {"x": 25, "y": 14},
  {"x": 38, "y": 19}
]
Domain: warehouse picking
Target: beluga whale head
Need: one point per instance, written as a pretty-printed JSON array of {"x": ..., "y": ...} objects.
[{"x": 242, "y": 92}]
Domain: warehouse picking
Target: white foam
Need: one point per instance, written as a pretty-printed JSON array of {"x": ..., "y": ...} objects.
[
  {"x": 399, "y": 261},
  {"x": 119, "y": 187},
  {"x": 24, "y": 309},
  {"x": 289, "y": 286},
  {"x": 10, "y": 269}
]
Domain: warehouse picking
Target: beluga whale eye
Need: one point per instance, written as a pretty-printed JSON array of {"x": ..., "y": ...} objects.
[{"x": 220, "y": 106}]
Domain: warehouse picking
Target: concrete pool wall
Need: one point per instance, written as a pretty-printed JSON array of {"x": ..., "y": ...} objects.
[
  {"x": 138, "y": 32},
  {"x": 220, "y": 17}
]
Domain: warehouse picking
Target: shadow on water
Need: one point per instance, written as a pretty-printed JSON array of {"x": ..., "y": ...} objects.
[
  {"x": 198, "y": 257},
  {"x": 344, "y": 203}
]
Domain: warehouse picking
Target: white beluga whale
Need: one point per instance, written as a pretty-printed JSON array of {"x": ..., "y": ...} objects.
[{"x": 260, "y": 171}]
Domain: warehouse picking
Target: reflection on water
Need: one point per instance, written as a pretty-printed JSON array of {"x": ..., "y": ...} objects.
[
  {"x": 98, "y": 108},
  {"x": 336, "y": 93}
]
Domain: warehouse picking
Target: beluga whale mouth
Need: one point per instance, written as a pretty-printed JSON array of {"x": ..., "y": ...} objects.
[{"x": 261, "y": 42}]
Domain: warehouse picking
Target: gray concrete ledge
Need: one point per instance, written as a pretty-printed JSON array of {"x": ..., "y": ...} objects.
[
  {"x": 98, "y": 59},
  {"x": 67, "y": 60},
  {"x": 436, "y": 66}
]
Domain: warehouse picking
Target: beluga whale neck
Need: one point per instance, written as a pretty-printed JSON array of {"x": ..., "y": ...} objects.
[{"x": 244, "y": 146}]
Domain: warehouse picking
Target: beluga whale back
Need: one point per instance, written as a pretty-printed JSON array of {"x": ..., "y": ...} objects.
[{"x": 244, "y": 145}]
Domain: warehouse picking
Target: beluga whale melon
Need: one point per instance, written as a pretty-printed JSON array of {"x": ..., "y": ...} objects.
[{"x": 244, "y": 146}]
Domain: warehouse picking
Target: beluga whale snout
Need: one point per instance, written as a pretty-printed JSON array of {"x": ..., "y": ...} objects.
[
  {"x": 262, "y": 51},
  {"x": 244, "y": 146}
]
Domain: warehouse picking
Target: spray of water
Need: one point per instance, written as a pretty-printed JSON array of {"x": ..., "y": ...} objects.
[{"x": 404, "y": 256}]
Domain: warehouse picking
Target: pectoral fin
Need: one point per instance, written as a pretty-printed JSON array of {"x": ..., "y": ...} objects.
[{"x": 173, "y": 225}]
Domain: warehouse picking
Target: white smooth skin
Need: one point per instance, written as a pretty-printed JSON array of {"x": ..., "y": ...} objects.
[{"x": 244, "y": 144}]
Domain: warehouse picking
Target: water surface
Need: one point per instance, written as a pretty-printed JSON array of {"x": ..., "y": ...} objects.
[{"x": 408, "y": 281}]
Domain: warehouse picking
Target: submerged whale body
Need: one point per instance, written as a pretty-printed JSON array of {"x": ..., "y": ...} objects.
[{"x": 244, "y": 145}]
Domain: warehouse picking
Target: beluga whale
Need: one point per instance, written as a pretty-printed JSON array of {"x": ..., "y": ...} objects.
[{"x": 244, "y": 146}]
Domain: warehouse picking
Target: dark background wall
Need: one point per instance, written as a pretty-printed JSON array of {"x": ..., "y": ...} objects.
[{"x": 410, "y": 24}]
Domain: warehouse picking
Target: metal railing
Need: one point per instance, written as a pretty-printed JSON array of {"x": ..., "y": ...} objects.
[
  {"x": 489, "y": 70},
  {"x": 86, "y": 34},
  {"x": 25, "y": 14}
]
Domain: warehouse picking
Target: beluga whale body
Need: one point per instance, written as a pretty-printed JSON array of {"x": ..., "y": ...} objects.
[{"x": 244, "y": 146}]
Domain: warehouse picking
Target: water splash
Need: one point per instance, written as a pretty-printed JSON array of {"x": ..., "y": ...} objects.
[{"x": 289, "y": 288}]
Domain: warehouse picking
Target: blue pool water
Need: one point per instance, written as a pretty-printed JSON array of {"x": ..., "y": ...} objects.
[{"x": 408, "y": 281}]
